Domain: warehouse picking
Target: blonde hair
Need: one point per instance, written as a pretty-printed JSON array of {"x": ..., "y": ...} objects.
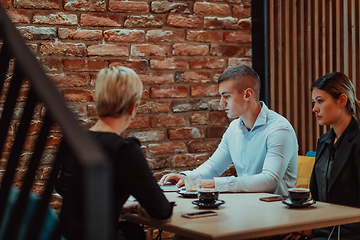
[{"x": 117, "y": 89}]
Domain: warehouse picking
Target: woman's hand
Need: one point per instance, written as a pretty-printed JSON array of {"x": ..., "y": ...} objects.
[
  {"x": 130, "y": 207},
  {"x": 172, "y": 177}
]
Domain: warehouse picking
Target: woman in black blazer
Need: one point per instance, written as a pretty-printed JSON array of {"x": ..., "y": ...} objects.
[{"x": 336, "y": 173}]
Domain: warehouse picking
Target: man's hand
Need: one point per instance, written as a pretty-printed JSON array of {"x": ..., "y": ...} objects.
[
  {"x": 298, "y": 235},
  {"x": 207, "y": 183},
  {"x": 172, "y": 177}
]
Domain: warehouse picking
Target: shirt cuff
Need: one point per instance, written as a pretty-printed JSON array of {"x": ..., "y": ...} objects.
[{"x": 221, "y": 184}]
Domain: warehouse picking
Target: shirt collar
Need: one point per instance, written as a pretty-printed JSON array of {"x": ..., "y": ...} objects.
[{"x": 260, "y": 119}]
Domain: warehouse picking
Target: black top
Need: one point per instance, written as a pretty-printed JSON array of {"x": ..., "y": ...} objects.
[
  {"x": 336, "y": 175},
  {"x": 131, "y": 174}
]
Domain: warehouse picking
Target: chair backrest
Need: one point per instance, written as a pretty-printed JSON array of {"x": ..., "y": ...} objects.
[
  {"x": 17, "y": 61},
  {"x": 304, "y": 171}
]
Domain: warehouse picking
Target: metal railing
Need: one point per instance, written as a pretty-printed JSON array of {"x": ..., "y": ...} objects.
[{"x": 95, "y": 167}]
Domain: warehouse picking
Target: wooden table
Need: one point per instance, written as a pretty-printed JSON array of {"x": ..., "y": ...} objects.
[{"x": 244, "y": 216}]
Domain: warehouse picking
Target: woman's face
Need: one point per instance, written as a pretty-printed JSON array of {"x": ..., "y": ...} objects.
[{"x": 327, "y": 109}]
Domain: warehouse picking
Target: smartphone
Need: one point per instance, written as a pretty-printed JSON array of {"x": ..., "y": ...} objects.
[
  {"x": 199, "y": 214},
  {"x": 273, "y": 198}
]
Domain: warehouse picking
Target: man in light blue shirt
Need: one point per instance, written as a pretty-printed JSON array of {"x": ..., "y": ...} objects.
[{"x": 261, "y": 143}]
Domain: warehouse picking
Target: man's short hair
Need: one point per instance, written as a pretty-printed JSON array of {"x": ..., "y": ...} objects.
[
  {"x": 117, "y": 89},
  {"x": 244, "y": 77}
]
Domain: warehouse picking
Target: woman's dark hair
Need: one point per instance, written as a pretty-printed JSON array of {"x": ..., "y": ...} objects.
[{"x": 335, "y": 84}]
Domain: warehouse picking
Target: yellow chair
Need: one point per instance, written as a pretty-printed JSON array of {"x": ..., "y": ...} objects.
[{"x": 304, "y": 170}]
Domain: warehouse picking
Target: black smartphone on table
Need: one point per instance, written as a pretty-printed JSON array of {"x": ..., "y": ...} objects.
[
  {"x": 199, "y": 214},
  {"x": 273, "y": 198}
]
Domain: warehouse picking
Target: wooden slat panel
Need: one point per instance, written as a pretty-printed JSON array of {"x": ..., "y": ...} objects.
[{"x": 308, "y": 39}]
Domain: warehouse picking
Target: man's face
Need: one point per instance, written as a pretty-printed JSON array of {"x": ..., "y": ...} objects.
[{"x": 232, "y": 101}]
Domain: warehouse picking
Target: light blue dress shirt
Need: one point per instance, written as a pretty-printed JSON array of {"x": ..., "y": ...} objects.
[{"x": 265, "y": 158}]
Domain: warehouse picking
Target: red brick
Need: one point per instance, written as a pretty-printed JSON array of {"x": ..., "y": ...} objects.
[
  {"x": 245, "y": 24},
  {"x": 216, "y": 76},
  {"x": 247, "y": 3},
  {"x": 21, "y": 97},
  {"x": 85, "y": 5},
  {"x": 141, "y": 50},
  {"x": 144, "y": 21},
  {"x": 206, "y": 8},
  {"x": 107, "y": 50},
  {"x": 86, "y": 123},
  {"x": 78, "y": 95},
  {"x": 44, "y": 172},
  {"x": 233, "y": 62},
  {"x": 145, "y": 94},
  {"x": 78, "y": 34},
  {"x": 240, "y": 11},
  {"x": 36, "y": 4},
  {"x": 53, "y": 141},
  {"x": 205, "y": 90},
  {"x": 169, "y": 7},
  {"x": 185, "y": 133},
  {"x": 215, "y": 132},
  {"x": 165, "y": 36},
  {"x": 167, "y": 121},
  {"x": 32, "y": 33},
  {"x": 154, "y": 78},
  {"x": 204, "y": 36},
  {"x": 189, "y": 105},
  {"x": 59, "y": 48},
  {"x": 207, "y": 63},
  {"x": 79, "y": 109},
  {"x": 68, "y": 80},
  {"x": 172, "y": 92},
  {"x": 55, "y": 18},
  {"x": 159, "y": 163},
  {"x": 217, "y": 118},
  {"x": 19, "y": 16},
  {"x": 51, "y": 64},
  {"x": 227, "y": 50},
  {"x": 187, "y": 21},
  {"x": 5, "y": 3},
  {"x": 167, "y": 148},
  {"x": 182, "y": 49},
  {"x": 100, "y": 20},
  {"x": 214, "y": 105},
  {"x": 201, "y": 118},
  {"x": 143, "y": 149},
  {"x": 221, "y": 23},
  {"x": 136, "y": 64},
  {"x": 189, "y": 160},
  {"x": 83, "y": 65},
  {"x": 192, "y": 77},
  {"x": 128, "y": 6},
  {"x": 32, "y": 47},
  {"x": 124, "y": 35},
  {"x": 168, "y": 63},
  {"x": 146, "y": 136},
  {"x": 91, "y": 110},
  {"x": 140, "y": 122},
  {"x": 237, "y": 37},
  {"x": 195, "y": 146},
  {"x": 153, "y": 107}
]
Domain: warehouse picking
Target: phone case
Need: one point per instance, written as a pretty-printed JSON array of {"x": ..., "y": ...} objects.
[{"x": 273, "y": 198}]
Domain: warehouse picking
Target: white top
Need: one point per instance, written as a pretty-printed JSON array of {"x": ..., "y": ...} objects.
[{"x": 265, "y": 158}]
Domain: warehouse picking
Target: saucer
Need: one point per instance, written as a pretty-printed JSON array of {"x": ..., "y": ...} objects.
[
  {"x": 186, "y": 194},
  {"x": 301, "y": 205},
  {"x": 215, "y": 204}
]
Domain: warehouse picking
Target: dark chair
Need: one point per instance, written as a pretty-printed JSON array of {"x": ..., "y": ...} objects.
[{"x": 17, "y": 61}]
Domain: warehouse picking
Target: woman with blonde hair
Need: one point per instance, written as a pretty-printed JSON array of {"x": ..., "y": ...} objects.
[{"x": 118, "y": 92}]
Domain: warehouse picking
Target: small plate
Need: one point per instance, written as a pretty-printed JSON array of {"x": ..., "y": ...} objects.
[
  {"x": 302, "y": 205},
  {"x": 186, "y": 194},
  {"x": 216, "y": 204}
]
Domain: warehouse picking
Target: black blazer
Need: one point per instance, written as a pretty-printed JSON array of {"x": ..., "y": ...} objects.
[{"x": 344, "y": 182}]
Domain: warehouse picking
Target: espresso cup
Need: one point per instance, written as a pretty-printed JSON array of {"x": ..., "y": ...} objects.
[
  {"x": 299, "y": 195},
  {"x": 208, "y": 196}
]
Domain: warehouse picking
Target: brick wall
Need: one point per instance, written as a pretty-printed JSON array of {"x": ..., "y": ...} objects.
[{"x": 178, "y": 48}]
